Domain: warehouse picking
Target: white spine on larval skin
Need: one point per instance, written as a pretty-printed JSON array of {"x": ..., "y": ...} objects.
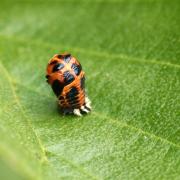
[
  {"x": 86, "y": 108},
  {"x": 88, "y": 102},
  {"x": 77, "y": 112}
]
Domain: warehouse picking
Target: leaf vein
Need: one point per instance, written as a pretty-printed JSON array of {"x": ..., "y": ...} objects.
[
  {"x": 141, "y": 131},
  {"x": 92, "y": 52}
]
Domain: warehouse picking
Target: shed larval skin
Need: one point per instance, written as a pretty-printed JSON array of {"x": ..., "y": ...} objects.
[{"x": 67, "y": 79}]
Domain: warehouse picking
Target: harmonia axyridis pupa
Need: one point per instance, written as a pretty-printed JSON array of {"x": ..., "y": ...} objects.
[{"x": 67, "y": 79}]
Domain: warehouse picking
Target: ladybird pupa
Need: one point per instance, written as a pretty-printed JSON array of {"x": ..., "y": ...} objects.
[{"x": 65, "y": 75}]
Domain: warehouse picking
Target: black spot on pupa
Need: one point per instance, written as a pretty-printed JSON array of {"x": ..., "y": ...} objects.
[
  {"x": 73, "y": 100},
  {"x": 60, "y": 56},
  {"x": 53, "y": 62},
  {"x": 61, "y": 98},
  {"x": 67, "y": 58},
  {"x": 82, "y": 82},
  {"x": 57, "y": 87},
  {"x": 72, "y": 97},
  {"x": 68, "y": 77},
  {"x": 77, "y": 69},
  {"x": 58, "y": 67},
  {"x": 72, "y": 93},
  {"x": 47, "y": 76}
]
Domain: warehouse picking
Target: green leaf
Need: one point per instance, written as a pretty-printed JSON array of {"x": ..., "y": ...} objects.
[{"x": 130, "y": 53}]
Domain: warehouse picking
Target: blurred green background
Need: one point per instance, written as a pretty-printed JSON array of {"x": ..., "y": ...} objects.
[{"x": 130, "y": 51}]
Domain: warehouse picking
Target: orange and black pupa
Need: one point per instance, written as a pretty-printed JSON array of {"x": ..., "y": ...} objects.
[{"x": 65, "y": 75}]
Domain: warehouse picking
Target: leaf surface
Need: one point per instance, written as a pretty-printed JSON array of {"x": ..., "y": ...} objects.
[{"x": 130, "y": 53}]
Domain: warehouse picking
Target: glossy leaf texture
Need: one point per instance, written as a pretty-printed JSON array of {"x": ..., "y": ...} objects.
[{"x": 130, "y": 52}]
